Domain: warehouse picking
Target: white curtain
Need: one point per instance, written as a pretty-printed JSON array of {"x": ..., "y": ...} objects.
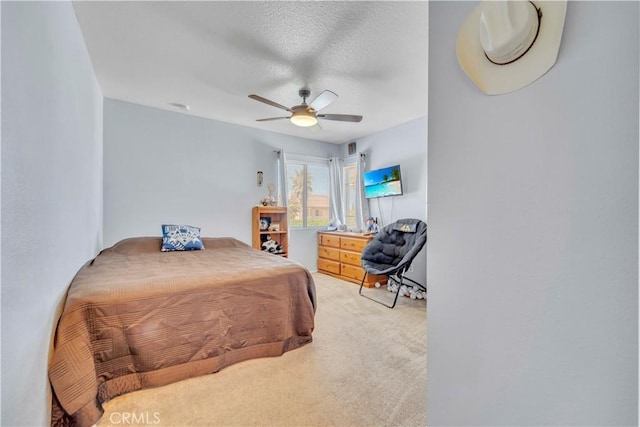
[
  {"x": 282, "y": 178},
  {"x": 336, "y": 204},
  {"x": 362, "y": 204}
]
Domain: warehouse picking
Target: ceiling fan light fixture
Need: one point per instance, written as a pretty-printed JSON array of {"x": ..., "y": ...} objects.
[
  {"x": 306, "y": 115},
  {"x": 303, "y": 119}
]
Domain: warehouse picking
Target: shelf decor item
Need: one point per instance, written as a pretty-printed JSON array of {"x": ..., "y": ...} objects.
[
  {"x": 265, "y": 221},
  {"x": 269, "y": 200},
  {"x": 270, "y": 245}
]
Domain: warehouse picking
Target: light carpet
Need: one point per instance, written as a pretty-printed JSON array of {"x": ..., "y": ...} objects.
[{"x": 366, "y": 366}]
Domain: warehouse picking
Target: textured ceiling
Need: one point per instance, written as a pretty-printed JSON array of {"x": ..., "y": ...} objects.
[{"x": 212, "y": 55}]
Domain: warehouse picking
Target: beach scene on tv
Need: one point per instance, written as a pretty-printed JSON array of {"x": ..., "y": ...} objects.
[{"x": 383, "y": 182}]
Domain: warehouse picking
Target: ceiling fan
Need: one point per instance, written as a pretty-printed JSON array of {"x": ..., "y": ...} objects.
[{"x": 307, "y": 115}]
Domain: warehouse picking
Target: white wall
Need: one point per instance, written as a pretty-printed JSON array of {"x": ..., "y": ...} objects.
[
  {"x": 51, "y": 189},
  {"x": 533, "y": 244},
  {"x": 168, "y": 167},
  {"x": 405, "y": 145}
]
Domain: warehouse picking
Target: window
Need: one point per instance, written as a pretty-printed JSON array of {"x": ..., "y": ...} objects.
[
  {"x": 350, "y": 194},
  {"x": 308, "y": 193}
]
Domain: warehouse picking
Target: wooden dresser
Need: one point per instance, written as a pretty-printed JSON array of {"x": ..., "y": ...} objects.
[{"x": 339, "y": 256}]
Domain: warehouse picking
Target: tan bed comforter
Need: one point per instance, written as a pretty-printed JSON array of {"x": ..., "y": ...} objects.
[{"x": 136, "y": 317}]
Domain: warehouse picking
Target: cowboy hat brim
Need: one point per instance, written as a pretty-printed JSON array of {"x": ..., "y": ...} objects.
[{"x": 494, "y": 79}]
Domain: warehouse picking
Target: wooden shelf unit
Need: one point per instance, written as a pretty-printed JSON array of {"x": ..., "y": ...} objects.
[
  {"x": 339, "y": 256},
  {"x": 277, "y": 215}
]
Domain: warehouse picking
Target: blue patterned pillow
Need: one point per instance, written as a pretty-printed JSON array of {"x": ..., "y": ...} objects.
[{"x": 180, "y": 238}]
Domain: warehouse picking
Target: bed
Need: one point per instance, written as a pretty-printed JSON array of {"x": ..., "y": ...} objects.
[{"x": 136, "y": 317}]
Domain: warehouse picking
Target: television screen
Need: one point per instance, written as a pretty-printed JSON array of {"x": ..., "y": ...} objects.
[{"x": 382, "y": 182}]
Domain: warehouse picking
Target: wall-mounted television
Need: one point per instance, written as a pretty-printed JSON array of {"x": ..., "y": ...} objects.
[{"x": 382, "y": 182}]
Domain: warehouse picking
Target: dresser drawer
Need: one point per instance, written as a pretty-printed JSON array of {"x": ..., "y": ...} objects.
[
  {"x": 329, "y": 253},
  {"x": 352, "y": 272},
  {"x": 352, "y": 244},
  {"x": 352, "y": 258},
  {"x": 328, "y": 265},
  {"x": 330, "y": 240}
]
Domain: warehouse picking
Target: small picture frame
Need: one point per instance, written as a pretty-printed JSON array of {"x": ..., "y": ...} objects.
[
  {"x": 265, "y": 222},
  {"x": 274, "y": 226}
]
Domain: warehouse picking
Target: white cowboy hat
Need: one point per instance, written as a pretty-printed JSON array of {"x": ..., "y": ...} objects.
[{"x": 504, "y": 45}]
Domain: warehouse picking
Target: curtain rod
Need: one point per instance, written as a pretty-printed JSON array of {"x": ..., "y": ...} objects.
[
  {"x": 304, "y": 155},
  {"x": 313, "y": 157}
]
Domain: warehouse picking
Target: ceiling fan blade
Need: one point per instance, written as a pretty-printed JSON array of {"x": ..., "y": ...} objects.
[
  {"x": 269, "y": 102},
  {"x": 340, "y": 117},
  {"x": 315, "y": 128},
  {"x": 322, "y": 100},
  {"x": 272, "y": 118}
]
